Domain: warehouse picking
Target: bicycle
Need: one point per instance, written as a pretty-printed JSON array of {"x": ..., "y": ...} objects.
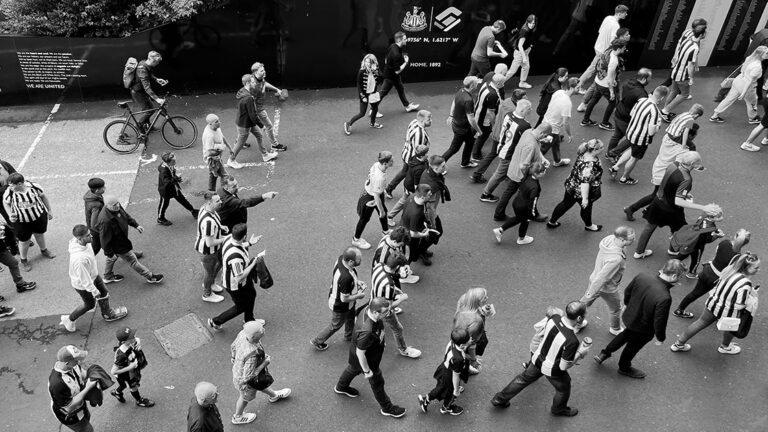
[{"x": 124, "y": 136}]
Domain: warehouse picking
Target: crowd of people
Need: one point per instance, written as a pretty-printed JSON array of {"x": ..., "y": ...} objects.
[{"x": 493, "y": 125}]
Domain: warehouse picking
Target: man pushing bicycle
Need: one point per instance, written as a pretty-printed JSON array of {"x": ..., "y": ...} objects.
[{"x": 141, "y": 87}]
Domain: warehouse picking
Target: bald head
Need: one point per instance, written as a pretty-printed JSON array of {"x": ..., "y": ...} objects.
[
  {"x": 523, "y": 107},
  {"x": 111, "y": 202},
  {"x": 211, "y": 118},
  {"x": 498, "y": 80},
  {"x": 205, "y": 393},
  {"x": 500, "y": 69}
]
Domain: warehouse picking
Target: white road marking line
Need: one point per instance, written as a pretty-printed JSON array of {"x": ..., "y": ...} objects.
[
  {"x": 39, "y": 137},
  {"x": 123, "y": 172}
]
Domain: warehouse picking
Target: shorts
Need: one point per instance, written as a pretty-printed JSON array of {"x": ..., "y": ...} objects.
[
  {"x": 683, "y": 87},
  {"x": 638, "y": 151},
  {"x": 24, "y": 230},
  {"x": 130, "y": 379},
  {"x": 247, "y": 392}
]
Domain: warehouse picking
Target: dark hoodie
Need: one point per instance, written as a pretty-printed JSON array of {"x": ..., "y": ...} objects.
[
  {"x": 630, "y": 94},
  {"x": 246, "y": 110},
  {"x": 113, "y": 231},
  {"x": 93, "y": 205},
  {"x": 416, "y": 168}
]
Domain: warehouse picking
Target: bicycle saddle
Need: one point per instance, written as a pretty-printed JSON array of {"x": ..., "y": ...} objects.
[{"x": 123, "y": 104}]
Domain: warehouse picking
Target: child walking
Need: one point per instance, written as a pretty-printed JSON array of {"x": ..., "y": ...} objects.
[
  {"x": 129, "y": 361},
  {"x": 450, "y": 373}
]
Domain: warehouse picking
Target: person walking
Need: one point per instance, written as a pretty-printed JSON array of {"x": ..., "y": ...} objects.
[
  {"x": 233, "y": 209},
  {"x": 744, "y": 87},
  {"x": 415, "y": 220},
  {"x": 507, "y": 129},
  {"x": 141, "y": 88},
  {"x": 417, "y": 164},
  {"x": 463, "y": 123},
  {"x": 452, "y": 370},
  {"x": 522, "y": 44},
  {"x": 524, "y": 205},
  {"x": 259, "y": 90},
  {"x": 394, "y": 64},
  {"x": 434, "y": 177},
  {"x": 631, "y": 92},
  {"x": 605, "y": 35},
  {"x": 129, "y": 362},
  {"x": 372, "y": 199},
  {"x": 486, "y": 107},
  {"x": 85, "y": 279},
  {"x": 210, "y": 238},
  {"x": 749, "y": 144},
  {"x": 622, "y": 36},
  {"x": 94, "y": 202},
  {"x": 472, "y": 310},
  {"x": 214, "y": 143},
  {"x": 345, "y": 290},
  {"x": 7, "y": 258},
  {"x": 647, "y": 302},
  {"x": 237, "y": 266},
  {"x": 644, "y": 123},
  {"x": 505, "y": 110},
  {"x": 250, "y": 120},
  {"x": 710, "y": 272},
  {"x": 582, "y": 186},
  {"x": 558, "y": 117},
  {"x": 733, "y": 294},
  {"x": 203, "y": 414},
  {"x": 113, "y": 226},
  {"x": 485, "y": 48},
  {"x": 367, "y": 83},
  {"x": 396, "y": 241},
  {"x": 415, "y": 135},
  {"x": 68, "y": 386},
  {"x": 559, "y": 351},
  {"x": 699, "y": 29},
  {"x": 606, "y": 84},
  {"x": 365, "y": 354},
  {"x": 686, "y": 65},
  {"x": 169, "y": 187},
  {"x": 29, "y": 210},
  {"x": 610, "y": 263},
  {"x": 553, "y": 84}
]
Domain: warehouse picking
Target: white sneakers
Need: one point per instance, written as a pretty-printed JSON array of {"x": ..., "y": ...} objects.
[
  {"x": 645, "y": 254},
  {"x": 498, "y": 233},
  {"x": 361, "y": 243},
  {"x": 280, "y": 394},
  {"x": 525, "y": 240},
  {"x": 410, "y": 352},
  {"x": 615, "y": 332},
  {"x": 269, "y": 156},
  {"x": 68, "y": 324},
  {"x": 561, "y": 162},
  {"x": 244, "y": 419},
  {"x": 411, "y": 279},
  {"x": 217, "y": 288},
  {"x": 213, "y": 298},
  {"x": 234, "y": 164},
  {"x": 524, "y": 85},
  {"x": 411, "y": 107},
  {"x": 581, "y": 107},
  {"x": 749, "y": 147}
]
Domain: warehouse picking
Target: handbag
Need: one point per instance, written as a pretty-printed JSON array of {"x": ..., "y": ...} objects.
[
  {"x": 728, "y": 324},
  {"x": 374, "y": 97},
  {"x": 745, "y": 323}
]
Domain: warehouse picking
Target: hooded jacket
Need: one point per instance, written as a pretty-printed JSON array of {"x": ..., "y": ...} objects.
[
  {"x": 247, "y": 115},
  {"x": 630, "y": 94},
  {"x": 93, "y": 205},
  {"x": 233, "y": 209},
  {"x": 609, "y": 266},
  {"x": 113, "y": 230},
  {"x": 82, "y": 267},
  {"x": 416, "y": 168}
]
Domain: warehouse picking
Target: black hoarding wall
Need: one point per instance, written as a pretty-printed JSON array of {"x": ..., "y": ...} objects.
[{"x": 319, "y": 43}]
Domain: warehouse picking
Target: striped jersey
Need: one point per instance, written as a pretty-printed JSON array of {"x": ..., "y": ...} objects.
[
  {"x": 234, "y": 259},
  {"x": 28, "y": 206},
  {"x": 679, "y": 124},
  {"x": 512, "y": 129},
  {"x": 559, "y": 342},
  {"x": 208, "y": 225},
  {"x": 688, "y": 53},
  {"x": 384, "y": 250},
  {"x": 344, "y": 282},
  {"x": 383, "y": 283},
  {"x": 454, "y": 359},
  {"x": 643, "y": 116},
  {"x": 688, "y": 34},
  {"x": 727, "y": 294},
  {"x": 416, "y": 134},
  {"x": 487, "y": 100}
]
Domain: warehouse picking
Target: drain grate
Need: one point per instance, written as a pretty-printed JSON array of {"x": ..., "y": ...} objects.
[{"x": 183, "y": 336}]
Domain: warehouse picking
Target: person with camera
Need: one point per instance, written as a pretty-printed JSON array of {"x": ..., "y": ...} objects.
[
  {"x": 141, "y": 89},
  {"x": 68, "y": 386}
]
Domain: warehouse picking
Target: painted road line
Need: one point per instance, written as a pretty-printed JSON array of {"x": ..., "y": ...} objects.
[
  {"x": 124, "y": 172},
  {"x": 39, "y": 137}
]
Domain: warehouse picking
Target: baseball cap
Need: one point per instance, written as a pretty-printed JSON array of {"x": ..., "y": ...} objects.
[
  {"x": 69, "y": 353},
  {"x": 125, "y": 333}
]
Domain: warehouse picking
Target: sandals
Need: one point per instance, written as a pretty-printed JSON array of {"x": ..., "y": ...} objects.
[
  {"x": 628, "y": 181},
  {"x": 682, "y": 313},
  {"x": 613, "y": 171}
]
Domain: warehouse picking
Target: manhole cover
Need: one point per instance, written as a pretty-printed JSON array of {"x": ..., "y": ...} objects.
[{"x": 183, "y": 336}]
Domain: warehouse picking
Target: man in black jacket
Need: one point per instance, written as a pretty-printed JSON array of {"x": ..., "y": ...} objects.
[
  {"x": 248, "y": 121},
  {"x": 169, "y": 187},
  {"x": 113, "y": 226},
  {"x": 233, "y": 209},
  {"x": 647, "y": 302},
  {"x": 141, "y": 89},
  {"x": 394, "y": 64},
  {"x": 632, "y": 91},
  {"x": 416, "y": 166}
]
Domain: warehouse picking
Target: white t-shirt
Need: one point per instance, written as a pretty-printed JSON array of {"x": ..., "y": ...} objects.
[
  {"x": 606, "y": 34},
  {"x": 559, "y": 108},
  {"x": 377, "y": 180},
  {"x": 212, "y": 140},
  {"x": 613, "y": 64},
  {"x": 752, "y": 72}
]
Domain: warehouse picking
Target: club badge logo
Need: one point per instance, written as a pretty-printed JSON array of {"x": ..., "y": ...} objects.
[{"x": 414, "y": 21}]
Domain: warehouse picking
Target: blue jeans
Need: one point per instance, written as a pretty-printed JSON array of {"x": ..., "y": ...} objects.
[
  {"x": 268, "y": 127},
  {"x": 132, "y": 261}
]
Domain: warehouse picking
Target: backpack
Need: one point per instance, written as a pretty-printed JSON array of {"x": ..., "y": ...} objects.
[
  {"x": 129, "y": 72},
  {"x": 685, "y": 239}
]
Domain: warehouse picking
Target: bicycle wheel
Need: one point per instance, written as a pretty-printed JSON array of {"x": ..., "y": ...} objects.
[
  {"x": 179, "y": 132},
  {"x": 121, "y": 137}
]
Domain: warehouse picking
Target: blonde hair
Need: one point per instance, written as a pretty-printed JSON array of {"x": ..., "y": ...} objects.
[
  {"x": 369, "y": 63},
  {"x": 472, "y": 300},
  {"x": 739, "y": 264}
]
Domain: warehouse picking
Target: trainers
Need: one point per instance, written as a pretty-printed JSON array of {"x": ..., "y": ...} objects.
[
  {"x": 67, "y": 323},
  {"x": 629, "y": 214},
  {"x": 269, "y": 156},
  {"x": 411, "y": 279},
  {"x": 164, "y": 222},
  {"x": 25, "y": 265},
  {"x": 498, "y": 233},
  {"x": 613, "y": 172},
  {"x": 319, "y": 346},
  {"x": 749, "y": 147},
  {"x": 716, "y": 119},
  {"x": 632, "y": 373},
  {"x": 410, "y": 352},
  {"x": 411, "y": 107},
  {"x": 155, "y": 278},
  {"x": 393, "y": 411},
  {"x": 243, "y": 419},
  {"x": 213, "y": 298},
  {"x": 213, "y": 325},
  {"x": 279, "y": 148},
  {"x": 614, "y": 331},
  {"x": 424, "y": 403},
  {"x": 628, "y": 181},
  {"x": 606, "y": 126},
  {"x": 489, "y": 198},
  {"x": 47, "y": 253},
  {"x": 145, "y": 403},
  {"x": 588, "y": 123},
  {"x": 645, "y": 254},
  {"x": 280, "y": 394},
  {"x": 361, "y": 243},
  {"x": 217, "y": 288},
  {"x": 346, "y": 129},
  {"x": 6, "y": 311},
  {"x": 676, "y": 347},
  {"x": 580, "y": 327},
  {"x": 562, "y": 162},
  {"x": 541, "y": 217},
  {"x": 426, "y": 260},
  {"x": 388, "y": 195},
  {"x": 754, "y": 120},
  {"x": 553, "y": 225},
  {"x": 524, "y": 85},
  {"x": 732, "y": 349},
  {"x": 582, "y": 107},
  {"x": 474, "y": 370},
  {"x": 764, "y": 141},
  {"x": 581, "y": 90},
  {"x": 478, "y": 179},
  {"x": 469, "y": 165},
  {"x": 567, "y": 412},
  {"x": 691, "y": 275},
  {"x": 113, "y": 278},
  {"x": 25, "y": 286},
  {"x": 601, "y": 357},
  {"x": 525, "y": 240},
  {"x": 391, "y": 222},
  {"x": 347, "y": 391},
  {"x": 594, "y": 228},
  {"x": 499, "y": 402},
  {"x": 234, "y": 164},
  {"x": 680, "y": 313},
  {"x": 377, "y": 125},
  {"x": 378, "y": 114},
  {"x": 453, "y": 409},
  {"x": 118, "y": 395}
]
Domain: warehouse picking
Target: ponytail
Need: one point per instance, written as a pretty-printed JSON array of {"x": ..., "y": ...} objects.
[{"x": 739, "y": 264}]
